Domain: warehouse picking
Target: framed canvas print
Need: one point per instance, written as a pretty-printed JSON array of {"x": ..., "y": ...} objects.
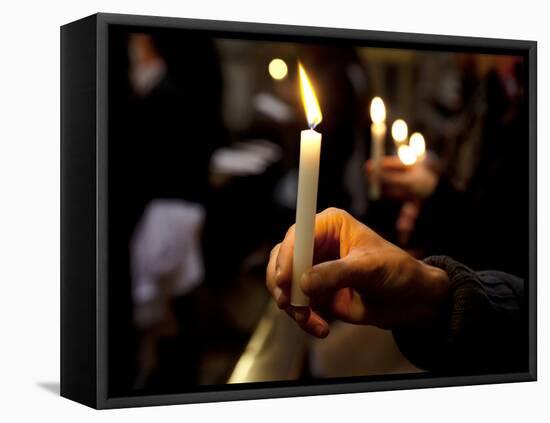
[{"x": 256, "y": 211}]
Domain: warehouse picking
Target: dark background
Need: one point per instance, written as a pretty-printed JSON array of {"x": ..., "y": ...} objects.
[{"x": 161, "y": 146}]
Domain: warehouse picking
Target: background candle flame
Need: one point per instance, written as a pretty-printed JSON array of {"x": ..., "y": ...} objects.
[
  {"x": 399, "y": 130},
  {"x": 311, "y": 105},
  {"x": 406, "y": 155},
  {"x": 377, "y": 110},
  {"x": 418, "y": 144}
]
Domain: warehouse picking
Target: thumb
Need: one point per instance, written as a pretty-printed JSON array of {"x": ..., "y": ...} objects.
[{"x": 331, "y": 276}]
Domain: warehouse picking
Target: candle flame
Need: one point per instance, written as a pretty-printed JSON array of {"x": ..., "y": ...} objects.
[
  {"x": 377, "y": 110},
  {"x": 311, "y": 105},
  {"x": 399, "y": 130},
  {"x": 418, "y": 144},
  {"x": 406, "y": 155}
]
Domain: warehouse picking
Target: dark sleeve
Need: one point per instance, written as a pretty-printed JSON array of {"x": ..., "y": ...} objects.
[{"x": 482, "y": 327}]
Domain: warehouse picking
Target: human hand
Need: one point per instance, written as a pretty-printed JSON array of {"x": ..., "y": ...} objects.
[
  {"x": 357, "y": 277},
  {"x": 408, "y": 182}
]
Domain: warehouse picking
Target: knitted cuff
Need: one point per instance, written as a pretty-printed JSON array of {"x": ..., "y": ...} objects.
[{"x": 450, "y": 342}]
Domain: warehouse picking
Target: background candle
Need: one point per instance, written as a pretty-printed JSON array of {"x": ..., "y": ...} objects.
[
  {"x": 308, "y": 178},
  {"x": 378, "y": 137}
]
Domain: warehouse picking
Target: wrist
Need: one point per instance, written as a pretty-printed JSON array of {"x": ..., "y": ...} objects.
[
  {"x": 437, "y": 282},
  {"x": 436, "y": 287}
]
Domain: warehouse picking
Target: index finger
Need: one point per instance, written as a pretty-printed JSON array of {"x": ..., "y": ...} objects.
[
  {"x": 280, "y": 297},
  {"x": 310, "y": 321},
  {"x": 283, "y": 263}
]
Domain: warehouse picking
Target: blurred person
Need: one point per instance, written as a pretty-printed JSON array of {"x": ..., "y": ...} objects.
[
  {"x": 464, "y": 206},
  {"x": 448, "y": 99},
  {"x": 174, "y": 115},
  {"x": 445, "y": 317},
  {"x": 167, "y": 266},
  {"x": 164, "y": 123}
]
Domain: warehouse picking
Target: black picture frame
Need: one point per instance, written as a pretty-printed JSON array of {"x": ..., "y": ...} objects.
[{"x": 84, "y": 218}]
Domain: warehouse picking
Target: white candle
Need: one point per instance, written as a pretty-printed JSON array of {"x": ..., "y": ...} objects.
[
  {"x": 306, "y": 204},
  {"x": 306, "y": 208},
  {"x": 378, "y": 136}
]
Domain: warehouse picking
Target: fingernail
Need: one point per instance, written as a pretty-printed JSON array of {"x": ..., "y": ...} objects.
[
  {"x": 277, "y": 292},
  {"x": 321, "y": 331},
  {"x": 300, "y": 315}
]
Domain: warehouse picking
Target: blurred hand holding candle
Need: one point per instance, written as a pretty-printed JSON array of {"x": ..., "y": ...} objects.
[
  {"x": 308, "y": 178},
  {"x": 378, "y": 136}
]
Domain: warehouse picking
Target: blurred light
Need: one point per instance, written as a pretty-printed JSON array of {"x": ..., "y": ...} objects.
[
  {"x": 377, "y": 110},
  {"x": 278, "y": 69},
  {"x": 406, "y": 155},
  {"x": 418, "y": 144},
  {"x": 311, "y": 105},
  {"x": 399, "y": 130}
]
